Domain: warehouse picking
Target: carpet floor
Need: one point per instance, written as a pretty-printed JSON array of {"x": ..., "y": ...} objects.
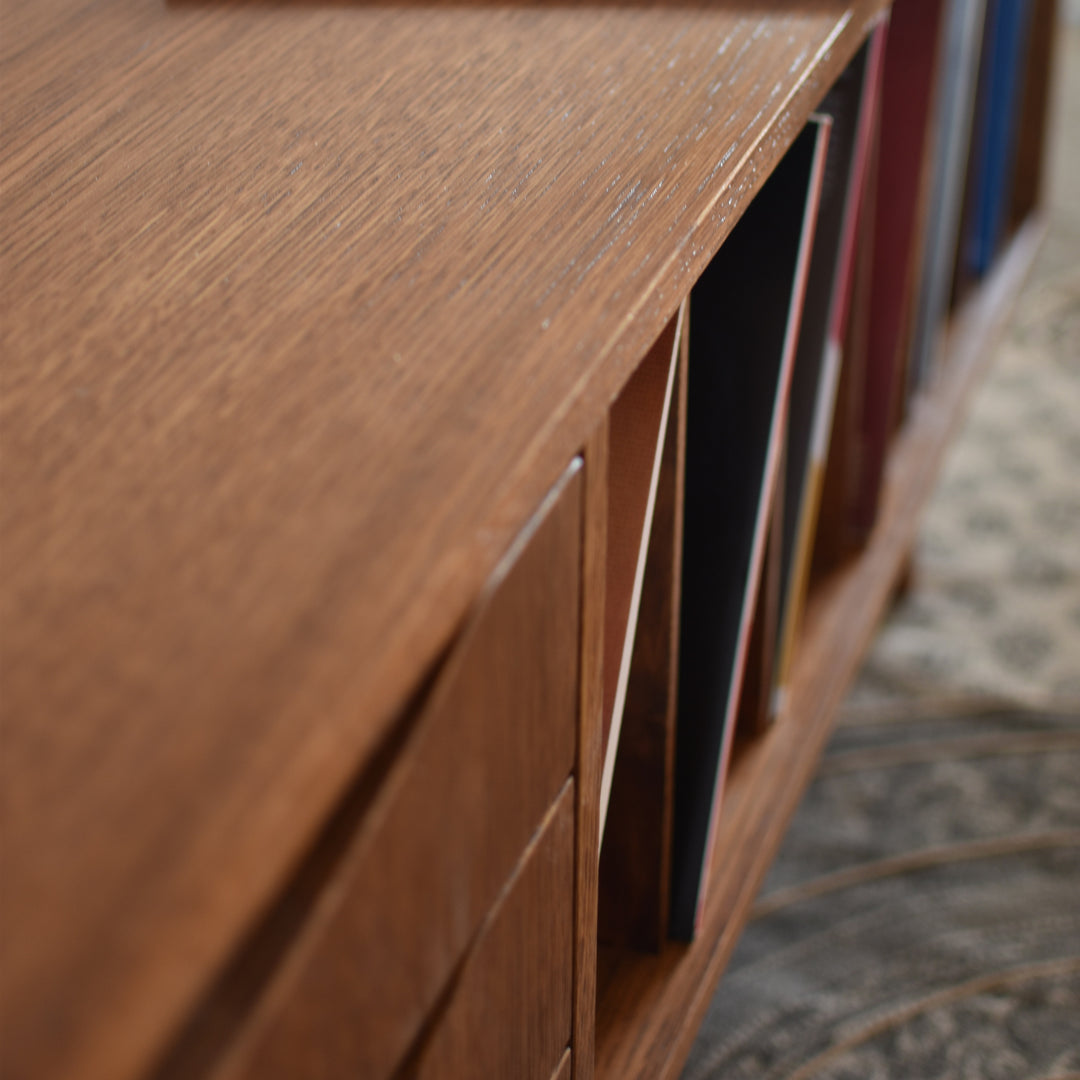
[{"x": 923, "y": 917}]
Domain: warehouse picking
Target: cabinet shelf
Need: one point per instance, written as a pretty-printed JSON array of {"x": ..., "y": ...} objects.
[{"x": 649, "y": 1006}]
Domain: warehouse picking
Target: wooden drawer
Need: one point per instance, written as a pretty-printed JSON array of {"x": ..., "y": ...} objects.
[
  {"x": 489, "y": 752},
  {"x": 508, "y": 1011}
]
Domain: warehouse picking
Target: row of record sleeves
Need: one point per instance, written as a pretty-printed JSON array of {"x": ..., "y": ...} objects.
[{"x": 746, "y": 455}]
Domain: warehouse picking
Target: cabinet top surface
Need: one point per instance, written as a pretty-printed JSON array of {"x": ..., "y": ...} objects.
[{"x": 305, "y": 306}]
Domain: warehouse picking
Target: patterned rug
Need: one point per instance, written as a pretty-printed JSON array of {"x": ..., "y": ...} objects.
[
  {"x": 995, "y": 611},
  {"x": 923, "y": 917}
]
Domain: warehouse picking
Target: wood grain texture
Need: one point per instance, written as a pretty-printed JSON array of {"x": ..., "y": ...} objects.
[
  {"x": 650, "y": 1007},
  {"x": 487, "y": 757},
  {"x": 590, "y": 748},
  {"x": 635, "y": 851},
  {"x": 305, "y": 308},
  {"x": 508, "y": 1013}
]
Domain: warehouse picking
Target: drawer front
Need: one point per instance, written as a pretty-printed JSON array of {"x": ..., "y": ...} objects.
[
  {"x": 508, "y": 1012},
  {"x": 486, "y": 757}
]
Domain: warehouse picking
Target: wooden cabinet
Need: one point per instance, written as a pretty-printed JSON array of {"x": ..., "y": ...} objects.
[{"x": 314, "y": 321}]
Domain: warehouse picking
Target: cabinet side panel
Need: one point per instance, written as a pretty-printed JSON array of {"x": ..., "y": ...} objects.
[
  {"x": 589, "y": 750},
  {"x": 635, "y": 857}
]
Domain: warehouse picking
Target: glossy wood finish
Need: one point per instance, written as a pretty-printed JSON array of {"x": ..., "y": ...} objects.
[
  {"x": 650, "y": 1007},
  {"x": 635, "y": 852},
  {"x": 306, "y": 306},
  {"x": 521, "y": 965}
]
